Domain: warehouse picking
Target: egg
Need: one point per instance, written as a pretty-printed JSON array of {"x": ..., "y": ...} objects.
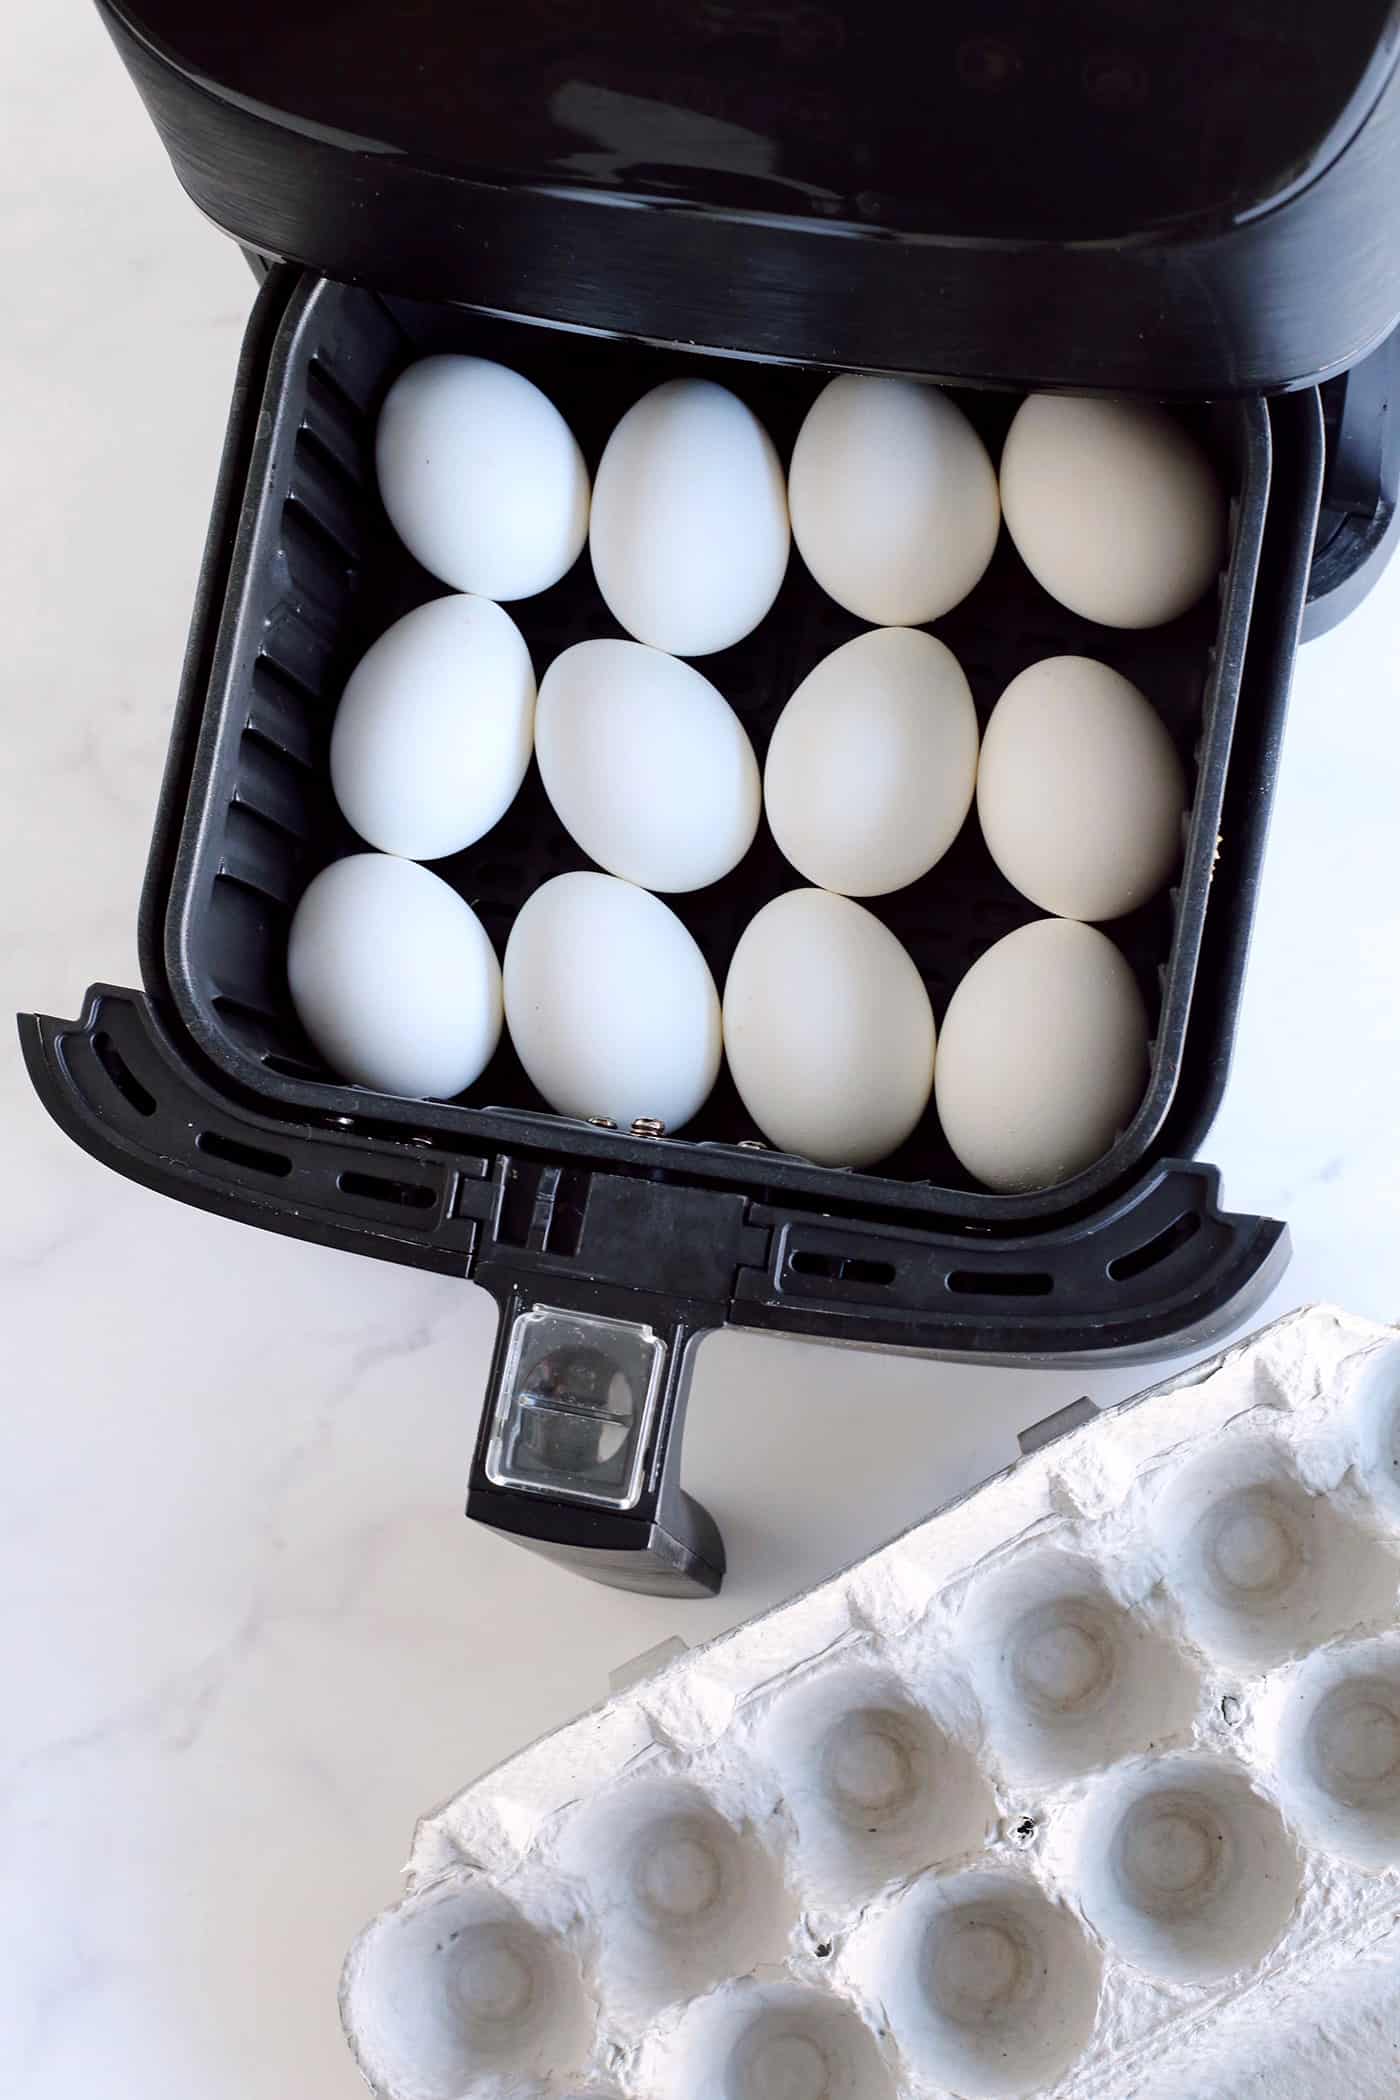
[
  {"x": 1042, "y": 1058},
  {"x": 872, "y": 762},
  {"x": 434, "y": 729},
  {"x": 610, "y": 1004},
  {"x": 648, "y": 767},
  {"x": 481, "y": 476},
  {"x": 828, "y": 1030},
  {"x": 1114, "y": 507},
  {"x": 393, "y": 977},
  {"x": 689, "y": 533},
  {"x": 1080, "y": 792},
  {"x": 893, "y": 498}
]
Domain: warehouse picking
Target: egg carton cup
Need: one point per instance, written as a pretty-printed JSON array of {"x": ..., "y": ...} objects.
[{"x": 1087, "y": 1786}]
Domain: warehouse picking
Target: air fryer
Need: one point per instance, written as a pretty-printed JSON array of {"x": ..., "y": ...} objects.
[{"x": 1192, "y": 204}]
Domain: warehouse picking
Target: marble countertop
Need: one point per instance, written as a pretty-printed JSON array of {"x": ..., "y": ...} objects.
[{"x": 248, "y": 1635}]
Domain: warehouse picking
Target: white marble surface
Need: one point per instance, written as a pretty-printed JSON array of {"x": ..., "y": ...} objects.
[{"x": 247, "y": 1635}]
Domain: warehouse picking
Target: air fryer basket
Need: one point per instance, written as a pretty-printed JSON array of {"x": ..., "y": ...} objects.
[
  {"x": 322, "y": 574},
  {"x": 206, "y": 1088}
]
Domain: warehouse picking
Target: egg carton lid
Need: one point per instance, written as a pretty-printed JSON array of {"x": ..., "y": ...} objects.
[{"x": 1089, "y": 1785}]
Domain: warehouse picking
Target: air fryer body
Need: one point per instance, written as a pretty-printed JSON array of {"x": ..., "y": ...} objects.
[
  {"x": 1173, "y": 200},
  {"x": 1194, "y": 202}
]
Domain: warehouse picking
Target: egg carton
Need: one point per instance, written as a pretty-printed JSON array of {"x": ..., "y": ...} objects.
[{"x": 1087, "y": 1786}]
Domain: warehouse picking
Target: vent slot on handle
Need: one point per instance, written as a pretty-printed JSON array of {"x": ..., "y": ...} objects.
[
  {"x": 382, "y": 1188},
  {"x": 235, "y": 1153},
  {"x": 121, "y": 1075},
  {"x": 994, "y": 1283},
  {"x": 841, "y": 1268}
]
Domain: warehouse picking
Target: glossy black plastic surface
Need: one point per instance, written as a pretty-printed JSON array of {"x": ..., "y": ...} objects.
[
  {"x": 1173, "y": 200},
  {"x": 316, "y": 574},
  {"x": 1039, "y": 119}
]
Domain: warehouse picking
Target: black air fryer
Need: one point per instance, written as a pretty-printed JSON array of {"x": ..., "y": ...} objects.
[{"x": 1198, "y": 203}]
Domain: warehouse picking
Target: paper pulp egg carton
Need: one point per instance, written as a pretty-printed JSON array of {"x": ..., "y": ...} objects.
[{"x": 1087, "y": 1786}]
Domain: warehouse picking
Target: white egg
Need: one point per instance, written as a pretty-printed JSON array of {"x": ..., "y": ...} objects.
[
  {"x": 1113, "y": 506},
  {"x": 393, "y": 977},
  {"x": 610, "y": 1004},
  {"x": 1042, "y": 1058},
  {"x": 434, "y": 729},
  {"x": 828, "y": 1030},
  {"x": 689, "y": 533},
  {"x": 481, "y": 476},
  {"x": 894, "y": 500},
  {"x": 1080, "y": 791},
  {"x": 647, "y": 765},
  {"x": 871, "y": 765}
]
